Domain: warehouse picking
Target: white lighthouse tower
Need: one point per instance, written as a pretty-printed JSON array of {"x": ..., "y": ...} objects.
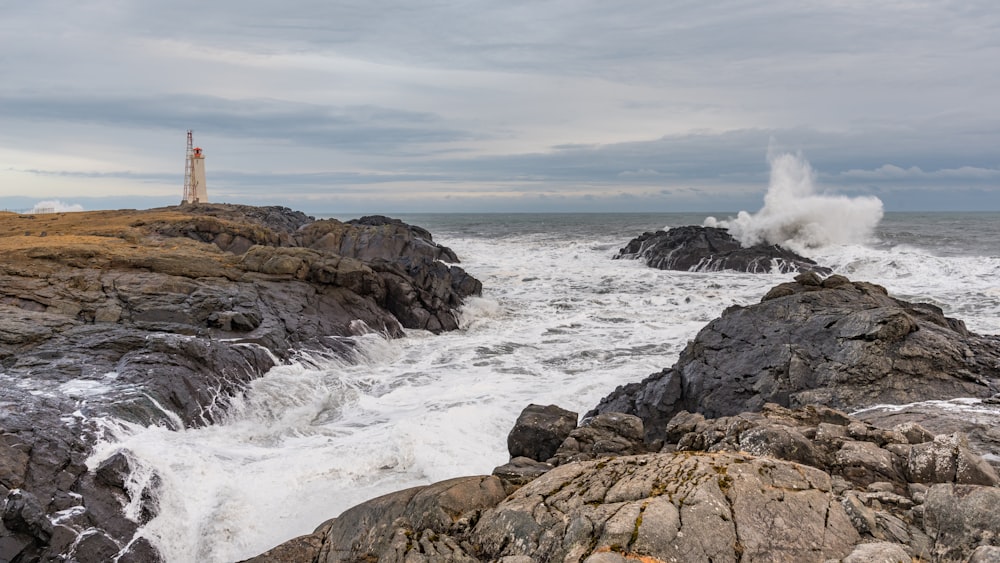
[{"x": 194, "y": 174}]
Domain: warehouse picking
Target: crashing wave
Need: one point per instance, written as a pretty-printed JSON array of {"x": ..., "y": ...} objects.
[{"x": 796, "y": 217}]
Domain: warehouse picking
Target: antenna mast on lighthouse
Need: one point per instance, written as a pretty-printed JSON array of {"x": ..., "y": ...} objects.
[
  {"x": 189, "y": 170},
  {"x": 194, "y": 173}
]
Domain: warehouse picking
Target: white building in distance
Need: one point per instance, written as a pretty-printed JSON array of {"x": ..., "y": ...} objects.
[{"x": 195, "y": 190}]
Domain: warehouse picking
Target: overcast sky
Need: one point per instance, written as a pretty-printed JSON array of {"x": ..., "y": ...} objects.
[{"x": 422, "y": 105}]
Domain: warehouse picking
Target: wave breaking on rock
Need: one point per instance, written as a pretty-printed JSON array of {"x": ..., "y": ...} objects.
[{"x": 797, "y": 217}]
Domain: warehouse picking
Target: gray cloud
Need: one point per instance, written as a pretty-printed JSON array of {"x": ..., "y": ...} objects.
[
  {"x": 483, "y": 104},
  {"x": 357, "y": 128},
  {"x": 892, "y": 172}
]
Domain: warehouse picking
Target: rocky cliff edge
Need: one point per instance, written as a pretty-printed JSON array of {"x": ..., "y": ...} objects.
[{"x": 168, "y": 312}]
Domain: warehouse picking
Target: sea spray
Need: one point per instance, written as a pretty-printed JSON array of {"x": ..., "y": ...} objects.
[{"x": 795, "y": 216}]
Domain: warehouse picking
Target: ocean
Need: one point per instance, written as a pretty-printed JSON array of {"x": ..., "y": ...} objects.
[{"x": 559, "y": 322}]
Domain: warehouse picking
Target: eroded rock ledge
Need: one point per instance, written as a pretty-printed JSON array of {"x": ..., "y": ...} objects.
[
  {"x": 807, "y": 484},
  {"x": 158, "y": 316}
]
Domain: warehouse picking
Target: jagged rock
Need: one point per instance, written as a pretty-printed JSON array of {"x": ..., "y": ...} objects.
[
  {"x": 914, "y": 433},
  {"x": 861, "y": 453},
  {"x": 709, "y": 249},
  {"x": 539, "y": 430},
  {"x": 170, "y": 312},
  {"x": 604, "y": 435},
  {"x": 233, "y": 228},
  {"x": 947, "y": 459},
  {"x": 862, "y": 517},
  {"x": 978, "y": 421},
  {"x": 407, "y": 240},
  {"x": 22, "y": 513},
  {"x": 718, "y": 493},
  {"x": 393, "y": 527},
  {"x": 879, "y": 495},
  {"x": 961, "y": 518},
  {"x": 684, "y": 507},
  {"x": 13, "y": 462},
  {"x": 519, "y": 471},
  {"x": 842, "y": 344}
]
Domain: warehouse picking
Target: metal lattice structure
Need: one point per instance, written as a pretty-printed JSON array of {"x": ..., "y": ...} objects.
[{"x": 189, "y": 182}]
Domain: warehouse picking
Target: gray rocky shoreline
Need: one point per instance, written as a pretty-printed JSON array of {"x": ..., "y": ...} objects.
[
  {"x": 733, "y": 454},
  {"x": 170, "y": 312}
]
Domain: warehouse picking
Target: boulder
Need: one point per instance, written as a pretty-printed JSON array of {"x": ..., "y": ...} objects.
[
  {"x": 812, "y": 341},
  {"x": 948, "y": 459},
  {"x": 539, "y": 430},
  {"x": 782, "y": 442},
  {"x": 710, "y": 249},
  {"x": 606, "y": 434},
  {"x": 960, "y": 518},
  {"x": 858, "y": 452},
  {"x": 864, "y": 463},
  {"x": 519, "y": 471}
]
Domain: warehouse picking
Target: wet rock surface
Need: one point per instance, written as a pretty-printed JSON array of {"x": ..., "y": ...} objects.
[
  {"x": 711, "y": 249},
  {"x": 539, "y": 431},
  {"x": 159, "y": 316},
  {"x": 828, "y": 341}
]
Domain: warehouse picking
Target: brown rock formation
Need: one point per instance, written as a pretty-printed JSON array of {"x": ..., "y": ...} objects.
[{"x": 183, "y": 306}]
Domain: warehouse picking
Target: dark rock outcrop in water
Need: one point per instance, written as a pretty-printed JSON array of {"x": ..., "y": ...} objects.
[
  {"x": 168, "y": 312},
  {"x": 709, "y": 249},
  {"x": 831, "y": 342}
]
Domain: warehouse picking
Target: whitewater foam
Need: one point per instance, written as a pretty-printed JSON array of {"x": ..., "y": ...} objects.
[{"x": 796, "y": 217}]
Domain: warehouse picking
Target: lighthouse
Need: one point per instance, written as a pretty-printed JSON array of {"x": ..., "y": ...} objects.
[{"x": 194, "y": 173}]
